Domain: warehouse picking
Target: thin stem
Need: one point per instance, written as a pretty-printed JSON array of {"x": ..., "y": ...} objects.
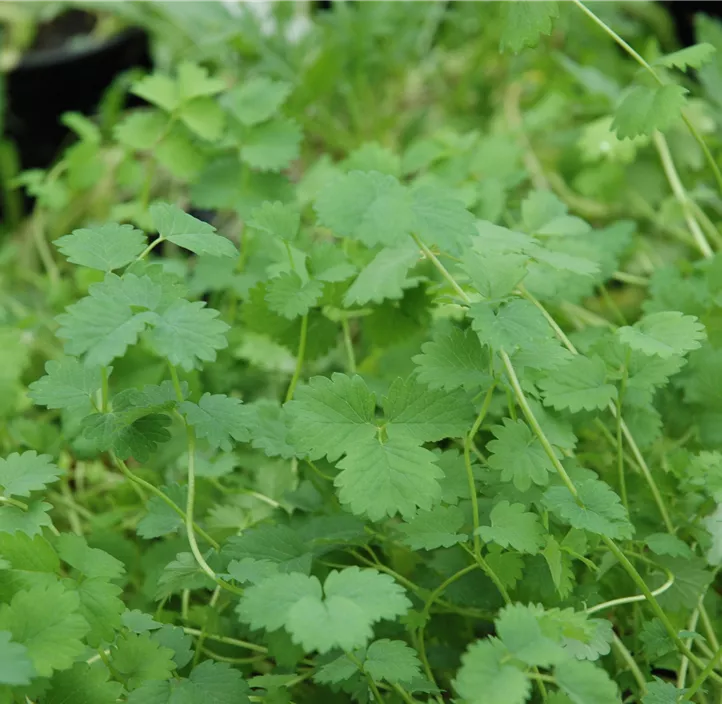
[
  {"x": 150, "y": 248},
  {"x": 681, "y": 195},
  {"x": 41, "y": 244},
  {"x": 684, "y": 666},
  {"x": 441, "y": 269},
  {"x": 489, "y": 572},
  {"x": 620, "y": 444},
  {"x": 227, "y": 640},
  {"x": 175, "y": 380},
  {"x": 469, "y": 469},
  {"x": 190, "y": 505},
  {"x": 13, "y": 502},
  {"x": 630, "y": 599},
  {"x": 372, "y": 685},
  {"x": 104, "y": 389},
  {"x": 534, "y": 423},
  {"x": 348, "y": 346},
  {"x": 707, "y": 671},
  {"x": 299, "y": 358},
  {"x": 164, "y": 498},
  {"x": 631, "y": 663},
  {"x": 290, "y": 255},
  {"x": 654, "y": 604},
  {"x": 425, "y": 614},
  {"x": 632, "y": 279}
]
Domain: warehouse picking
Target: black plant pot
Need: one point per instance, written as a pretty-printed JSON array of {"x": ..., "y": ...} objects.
[{"x": 49, "y": 82}]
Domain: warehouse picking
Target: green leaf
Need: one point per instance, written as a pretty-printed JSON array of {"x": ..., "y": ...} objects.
[
  {"x": 384, "y": 479},
  {"x": 161, "y": 519},
  {"x": 141, "y": 129},
  {"x": 219, "y": 419},
  {"x": 578, "y": 385},
  {"x": 512, "y": 525},
  {"x": 368, "y": 206},
  {"x": 138, "y": 658},
  {"x": 21, "y": 474},
  {"x": 101, "y": 608},
  {"x": 524, "y": 21},
  {"x": 645, "y": 110},
  {"x": 175, "y": 638},
  {"x": 188, "y": 232},
  {"x": 189, "y": 334},
  {"x": 486, "y": 678},
  {"x": 517, "y": 324},
  {"x": 272, "y": 146},
  {"x": 438, "y": 528},
  {"x": 585, "y": 683},
  {"x": 139, "y": 622},
  {"x": 16, "y": 668},
  {"x": 269, "y": 428},
  {"x": 689, "y": 57},
  {"x": 83, "y": 684},
  {"x": 103, "y": 324},
  {"x": 257, "y": 100},
  {"x": 68, "y": 383},
  {"x": 494, "y": 274},
  {"x": 661, "y": 692},
  {"x": 134, "y": 428},
  {"x": 664, "y": 334},
  {"x": 47, "y": 621},
  {"x": 278, "y": 544},
  {"x": 392, "y": 661},
  {"x": 340, "y": 615},
  {"x": 74, "y": 550},
  {"x": 181, "y": 574},
  {"x": 519, "y": 628},
  {"x": 209, "y": 683},
  {"x": 416, "y": 413},
  {"x": 384, "y": 277},
  {"x": 452, "y": 361},
  {"x": 519, "y": 455},
  {"x": 158, "y": 89},
  {"x": 329, "y": 415},
  {"x": 30, "y": 521},
  {"x": 277, "y": 219},
  {"x": 667, "y": 544},
  {"x": 193, "y": 81},
  {"x": 601, "y": 511},
  {"x": 290, "y": 297},
  {"x": 376, "y": 209},
  {"x": 204, "y": 117},
  {"x": 104, "y": 247}
]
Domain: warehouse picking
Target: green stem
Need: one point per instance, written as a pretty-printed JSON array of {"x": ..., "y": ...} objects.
[
  {"x": 150, "y": 248},
  {"x": 425, "y": 614},
  {"x": 620, "y": 444},
  {"x": 227, "y": 640},
  {"x": 684, "y": 666},
  {"x": 299, "y": 358},
  {"x": 469, "y": 469},
  {"x": 638, "y": 58},
  {"x": 372, "y": 685},
  {"x": 631, "y": 663},
  {"x": 630, "y": 599},
  {"x": 654, "y": 605},
  {"x": 348, "y": 345},
  {"x": 41, "y": 244},
  {"x": 175, "y": 380},
  {"x": 707, "y": 671},
  {"x": 202, "y": 635},
  {"x": 489, "y": 572},
  {"x": 534, "y": 423},
  {"x": 681, "y": 195},
  {"x": 441, "y": 269},
  {"x": 163, "y": 497},
  {"x": 13, "y": 502},
  {"x": 104, "y": 389}
]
